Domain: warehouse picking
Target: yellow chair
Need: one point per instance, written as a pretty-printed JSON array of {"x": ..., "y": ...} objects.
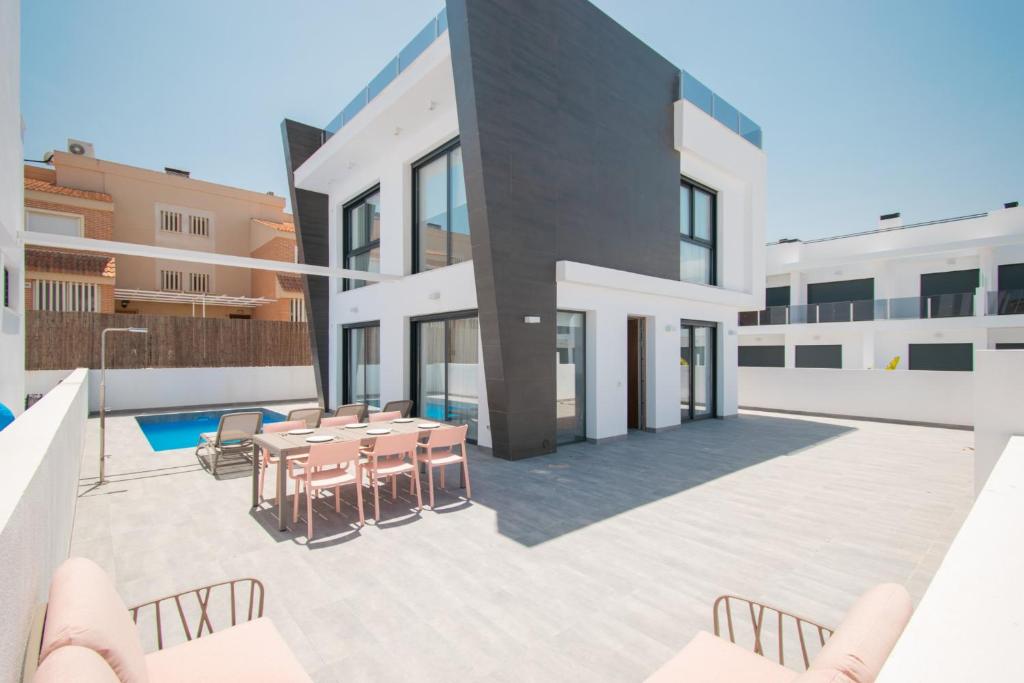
[{"x": 893, "y": 364}]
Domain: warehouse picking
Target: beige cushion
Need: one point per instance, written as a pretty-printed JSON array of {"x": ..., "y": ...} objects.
[
  {"x": 73, "y": 663},
  {"x": 710, "y": 659},
  {"x": 863, "y": 641},
  {"x": 85, "y": 610},
  {"x": 253, "y": 652}
]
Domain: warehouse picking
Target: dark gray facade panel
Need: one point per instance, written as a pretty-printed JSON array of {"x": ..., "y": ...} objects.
[
  {"x": 762, "y": 356},
  {"x": 844, "y": 290},
  {"x": 942, "y": 357},
  {"x": 311, "y": 215},
  {"x": 566, "y": 122},
  {"x": 819, "y": 356}
]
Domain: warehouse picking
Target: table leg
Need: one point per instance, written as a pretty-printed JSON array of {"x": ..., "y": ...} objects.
[
  {"x": 255, "y": 475},
  {"x": 281, "y": 477}
]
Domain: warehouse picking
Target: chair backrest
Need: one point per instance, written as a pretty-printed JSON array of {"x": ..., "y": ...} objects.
[
  {"x": 311, "y": 416},
  {"x": 445, "y": 437},
  {"x": 385, "y": 416},
  {"x": 339, "y": 421},
  {"x": 85, "y": 610},
  {"x": 239, "y": 427},
  {"x": 357, "y": 409},
  {"x": 403, "y": 406},
  {"x": 334, "y": 453},
  {"x": 285, "y": 426},
  {"x": 869, "y": 631},
  {"x": 395, "y": 444}
]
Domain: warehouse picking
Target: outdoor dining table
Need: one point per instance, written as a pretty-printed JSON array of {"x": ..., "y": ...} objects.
[{"x": 291, "y": 447}]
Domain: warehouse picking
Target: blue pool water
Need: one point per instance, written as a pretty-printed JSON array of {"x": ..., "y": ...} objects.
[{"x": 182, "y": 430}]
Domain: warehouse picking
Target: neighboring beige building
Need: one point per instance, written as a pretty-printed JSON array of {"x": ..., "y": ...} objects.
[{"x": 85, "y": 196}]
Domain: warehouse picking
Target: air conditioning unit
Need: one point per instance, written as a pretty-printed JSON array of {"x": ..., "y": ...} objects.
[{"x": 81, "y": 148}]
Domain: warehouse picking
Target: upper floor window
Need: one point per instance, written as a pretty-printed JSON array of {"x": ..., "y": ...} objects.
[
  {"x": 199, "y": 282},
  {"x": 180, "y": 221},
  {"x": 361, "y": 235},
  {"x": 170, "y": 280},
  {"x": 441, "y": 232},
  {"x": 54, "y": 222},
  {"x": 698, "y": 222}
]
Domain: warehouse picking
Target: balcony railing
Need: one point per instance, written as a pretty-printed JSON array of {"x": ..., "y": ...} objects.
[
  {"x": 904, "y": 308},
  {"x": 1006, "y": 302}
]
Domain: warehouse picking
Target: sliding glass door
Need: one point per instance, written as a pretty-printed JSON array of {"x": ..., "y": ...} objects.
[
  {"x": 446, "y": 367},
  {"x": 571, "y": 379},
  {"x": 361, "y": 349},
  {"x": 696, "y": 370}
]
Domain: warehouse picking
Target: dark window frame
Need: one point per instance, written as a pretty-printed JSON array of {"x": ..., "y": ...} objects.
[
  {"x": 346, "y": 393},
  {"x": 711, "y": 244},
  {"x": 444, "y": 150},
  {"x": 414, "y": 347},
  {"x": 951, "y": 346},
  {"x": 713, "y": 350},
  {"x": 346, "y": 251},
  {"x": 583, "y": 412}
]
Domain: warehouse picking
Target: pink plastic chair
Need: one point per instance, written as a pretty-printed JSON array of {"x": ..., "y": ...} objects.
[
  {"x": 265, "y": 458},
  {"x": 389, "y": 457},
  {"x": 386, "y": 417},
  {"x": 339, "y": 421},
  {"x": 439, "y": 451},
  {"x": 329, "y": 466}
]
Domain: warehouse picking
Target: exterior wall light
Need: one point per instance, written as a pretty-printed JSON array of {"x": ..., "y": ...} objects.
[
  {"x": 434, "y": 296},
  {"x": 531, "y": 319},
  {"x": 670, "y": 328}
]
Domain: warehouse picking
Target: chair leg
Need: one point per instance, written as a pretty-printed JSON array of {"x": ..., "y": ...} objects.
[
  {"x": 359, "y": 503},
  {"x": 430, "y": 482},
  {"x": 376, "y": 498},
  {"x": 263, "y": 475},
  {"x": 309, "y": 516},
  {"x": 216, "y": 457},
  {"x": 443, "y": 468},
  {"x": 295, "y": 499},
  {"x": 419, "y": 495},
  {"x": 465, "y": 475},
  {"x": 394, "y": 488},
  {"x": 337, "y": 499}
]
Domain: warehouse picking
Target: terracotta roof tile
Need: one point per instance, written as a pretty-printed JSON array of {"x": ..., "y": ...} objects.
[
  {"x": 283, "y": 227},
  {"x": 43, "y": 186},
  {"x": 70, "y": 262},
  {"x": 290, "y": 282}
]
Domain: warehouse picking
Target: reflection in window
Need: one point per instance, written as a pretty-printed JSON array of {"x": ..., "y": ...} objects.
[
  {"x": 362, "y": 236},
  {"x": 442, "y": 217},
  {"x": 447, "y": 365},
  {"x": 571, "y": 380},
  {"x": 362, "y": 365},
  {"x": 697, "y": 228}
]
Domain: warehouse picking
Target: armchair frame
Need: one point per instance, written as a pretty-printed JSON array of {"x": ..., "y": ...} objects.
[{"x": 757, "y": 613}]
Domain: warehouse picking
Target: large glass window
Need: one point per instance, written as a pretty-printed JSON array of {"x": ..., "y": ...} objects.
[
  {"x": 447, "y": 367},
  {"x": 362, "y": 364},
  {"x": 571, "y": 381},
  {"x": 441, "y": 215},
  {"x": 696, "y": 370},
  {"x": 362, "y": 235},
  {"x": 697, "y": 233}
]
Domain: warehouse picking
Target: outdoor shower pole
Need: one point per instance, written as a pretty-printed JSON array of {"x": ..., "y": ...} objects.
[{"x": 103, "y": 389}]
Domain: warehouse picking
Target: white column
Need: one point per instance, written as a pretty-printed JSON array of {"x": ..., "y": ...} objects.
[
  {"x": 664, "y": 375},
  {"x": 395, "y": 243},
  {"x": 867, "y": 350},
  {"x": 606, "y": 394},
  {"x": 728, "y": 349},
  {"x": 987, "y": 280}
]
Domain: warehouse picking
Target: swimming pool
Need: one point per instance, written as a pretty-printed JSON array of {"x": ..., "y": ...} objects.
[{"x": 181, "y": 430}]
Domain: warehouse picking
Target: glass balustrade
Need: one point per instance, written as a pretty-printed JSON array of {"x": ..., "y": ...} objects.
[
  {"x": 1006, "y": 302},
  {"x": 954, "y": 305}
]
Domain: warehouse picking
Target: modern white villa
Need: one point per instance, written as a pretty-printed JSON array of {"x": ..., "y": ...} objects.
[
  {"x": 919, "y": 297},
  {"x": 569, "y": 255}
]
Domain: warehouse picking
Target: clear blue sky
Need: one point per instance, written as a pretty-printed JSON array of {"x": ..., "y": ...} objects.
[{"x": 868, "y": 106}]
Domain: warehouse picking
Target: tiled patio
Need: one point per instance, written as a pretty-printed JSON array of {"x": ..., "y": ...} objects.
[{"x": 597, "y": 563}]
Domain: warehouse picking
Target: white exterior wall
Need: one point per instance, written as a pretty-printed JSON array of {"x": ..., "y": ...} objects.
[
  {"x": 42, "y": 451},
  {"x": 12, "y": 210},
  {"x": 416, "y": 114},
  {"x": 143, "y": 389}
]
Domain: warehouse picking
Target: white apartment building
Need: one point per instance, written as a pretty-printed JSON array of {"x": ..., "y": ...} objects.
[
  {"x": 562, "y": 271},
  {"x": 908, "y": 297}
]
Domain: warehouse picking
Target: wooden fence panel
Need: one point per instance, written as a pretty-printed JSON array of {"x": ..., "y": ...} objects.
[{"x": 58, "y": 341}]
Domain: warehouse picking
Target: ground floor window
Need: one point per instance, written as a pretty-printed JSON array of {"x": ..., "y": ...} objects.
[
  {"x": 762, "y": 356},
  {"x": 297, "y": 310},
  {"x": 696, "y": 370},
  {"x": 942, "y": 357},
  {"x": 820, "y": 356},
  {"x": 446, "y": 362},
  {"x": 54, "y": 295},
  {"x": 361, "y": 350},
  {"x": 571, "y": 379}
]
